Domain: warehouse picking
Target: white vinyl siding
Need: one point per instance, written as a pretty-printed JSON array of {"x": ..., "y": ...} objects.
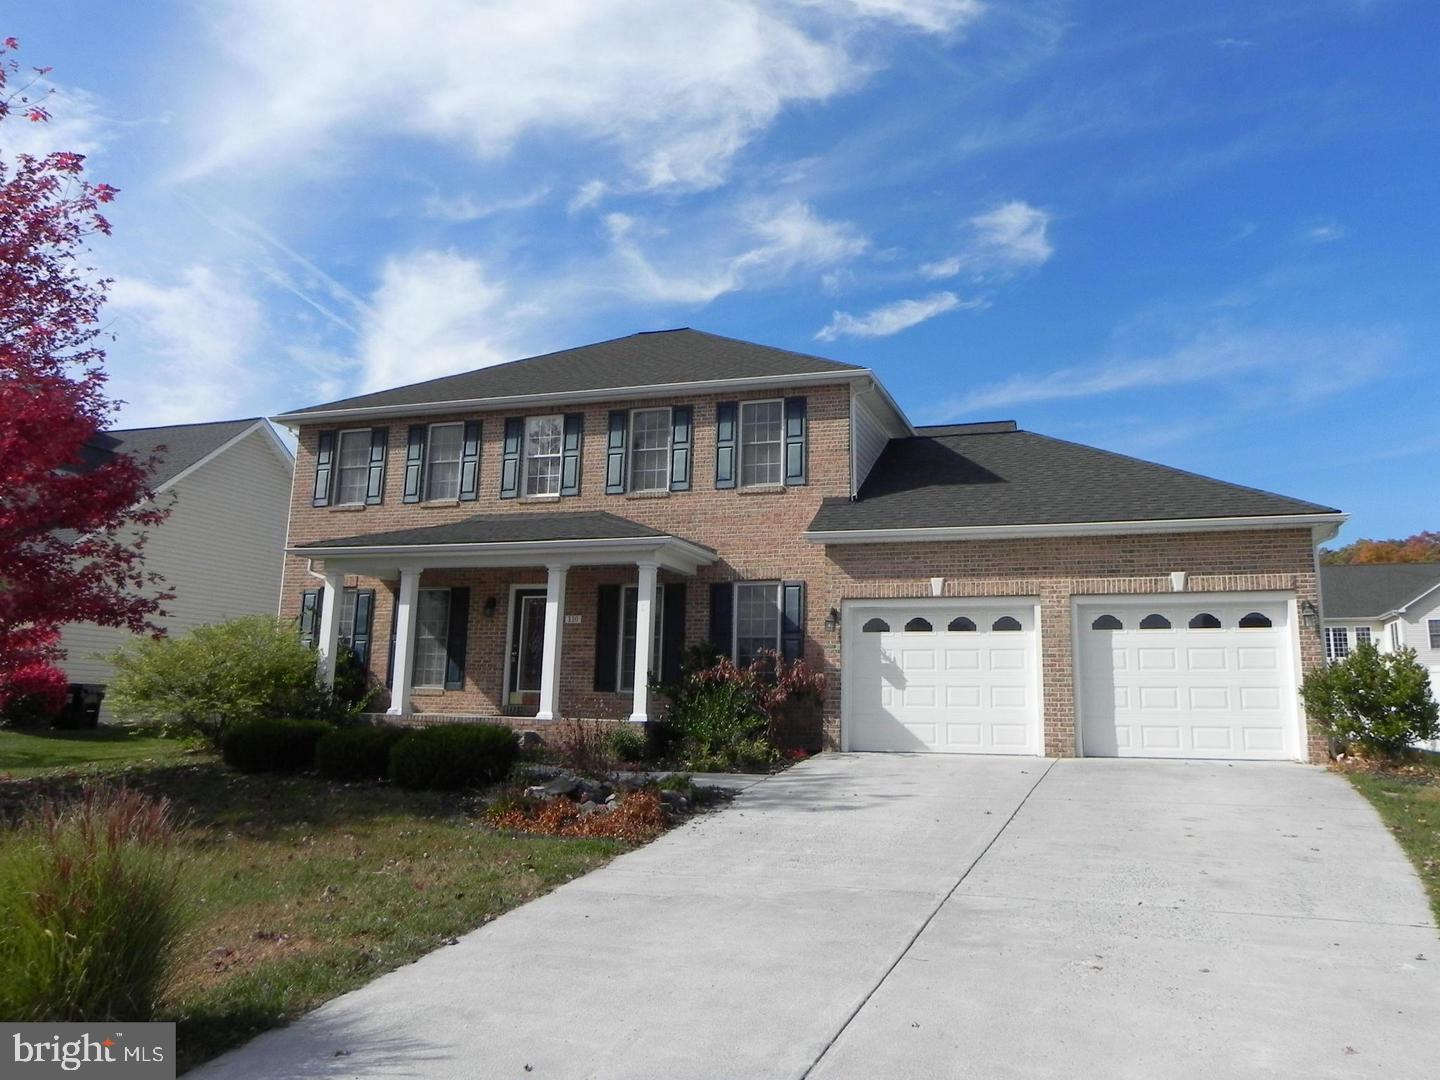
[
  {"x": 442, "y": 479},
  {"x": 432, "y": 631},
  {"x": 757, "y": 620},
  {"x": 544, "y": 445},
  {"x": 650, "y": 450},
  {"x": 762, "y": 443},
  {"x": 352, "y": 467},
  {"x": 870, "y": 440}
]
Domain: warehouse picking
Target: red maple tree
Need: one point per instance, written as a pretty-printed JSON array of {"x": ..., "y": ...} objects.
[{"x": 71, "y": 528}]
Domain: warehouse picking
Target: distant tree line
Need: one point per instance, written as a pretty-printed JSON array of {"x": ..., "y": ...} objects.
[{"x": 1423, "y": 547}]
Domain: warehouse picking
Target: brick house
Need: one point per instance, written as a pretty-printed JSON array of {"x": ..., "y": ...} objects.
[{"x": 488, "y": 543}]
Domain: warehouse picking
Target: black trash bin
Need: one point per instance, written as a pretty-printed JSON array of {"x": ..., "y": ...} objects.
[{"x": 82, "y": 711}]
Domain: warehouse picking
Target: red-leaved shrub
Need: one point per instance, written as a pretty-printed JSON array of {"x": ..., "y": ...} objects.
[{"x": 32, "y": 695}]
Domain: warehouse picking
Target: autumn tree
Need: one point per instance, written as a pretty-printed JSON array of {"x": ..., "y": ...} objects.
[
  {"x": 71, "y": 529},
  {"x": 1423, "y": 547}
]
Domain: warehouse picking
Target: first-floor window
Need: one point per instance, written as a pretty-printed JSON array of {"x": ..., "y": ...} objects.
[
  {"x": 1395, "y": 636},
  {"x": 1434, "y": 633},
  {"x": 544, "y": 447},
  {"x": 757, "y": 620},
  {"x": 443, "y": 481},
  {"x": 1337, "y": 642},
  {"x": 352, "y": 467},
  {"x": 347, "y": 616},
  {"x": 432, "y": 632},
  {"x": 1362, "y": 636},
  {"x": 629, "y": 614}
]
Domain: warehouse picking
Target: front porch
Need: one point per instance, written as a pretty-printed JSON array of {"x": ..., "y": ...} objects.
[{"x": 511, "y": 616}]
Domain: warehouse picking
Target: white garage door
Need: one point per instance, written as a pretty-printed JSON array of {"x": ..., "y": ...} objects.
[
  {"x": 1198, "y": 676},
  {"x": 949, "y": 677}
]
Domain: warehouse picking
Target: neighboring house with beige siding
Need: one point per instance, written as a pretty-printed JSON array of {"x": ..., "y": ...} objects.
[{"x": 220, "y": 550}]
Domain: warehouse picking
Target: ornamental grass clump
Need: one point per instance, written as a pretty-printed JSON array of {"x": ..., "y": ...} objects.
[{"x": 90, "y": 909}]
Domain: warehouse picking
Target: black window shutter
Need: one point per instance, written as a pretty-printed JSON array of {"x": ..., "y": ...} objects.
[
  {"x": 726, "y": 423},
  {"x": 457, "y": 639},
  {"x": 364, "y": 618},
  {"x": 470, "y": 462},
  {"x": 672, "y": 634},
  {"x": 607, "y": 638},
  {"x": 375, "y": 480},
  {"x": 310, "y": 617},
  {"x": 324, "y": 469},
  {"x": 415, "y": 463},
  {"x": 681, "y": 434},
  {"x": 722, "y": 617},
  {"x": 394, "y": 626},
  {"x": 792, "y": 620},
  {"x": 570, "y": 459},
  {"x": 510, "y": 460},
  {"x": 795, "y": 440},
  {"x": 615, "y": 452}
]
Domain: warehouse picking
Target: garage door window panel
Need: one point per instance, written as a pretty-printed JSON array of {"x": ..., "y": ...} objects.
[
  {"x": 1205, "y": 621},
  {"x": 1155, "y": 622},
  {"x": 1107, "y": 622},
  {"x": 875, "y": 626},
  {"x": 918, "y": 625},
  {"x": 961, "y": 625},
  {"x": 1006, "y": 624},
  {"x": 1255, "y": 621}
]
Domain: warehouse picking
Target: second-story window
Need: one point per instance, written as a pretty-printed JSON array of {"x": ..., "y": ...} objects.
[
  {"x": 762, "y": 443},
  {"x": 650, "y": 450},
  {"x": 443, "y": 478},
  {"x": 352, "y": 467},
  {"x": 544, "y": 439}
]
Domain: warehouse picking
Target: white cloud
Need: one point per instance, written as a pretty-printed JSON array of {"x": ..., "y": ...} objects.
[
  {"x": 1005, "y": 240},
  {"x": 779, "y": 240},
  {"x": 76, "y": 123},
  {"x": 676, "y": 90},
  {"x": 1323, "y": 232},
  {"x": 467, "y": 207},
  {"x": 434, "y": 313},
  {"x": 892, "y": 318},
  {"x": 182, "y": 350}
]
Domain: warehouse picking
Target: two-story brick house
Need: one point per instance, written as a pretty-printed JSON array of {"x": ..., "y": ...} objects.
[{"x": 490, "y": 542}]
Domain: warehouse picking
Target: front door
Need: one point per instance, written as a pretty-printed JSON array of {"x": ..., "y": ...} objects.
[{"x": 527, "y": 648}]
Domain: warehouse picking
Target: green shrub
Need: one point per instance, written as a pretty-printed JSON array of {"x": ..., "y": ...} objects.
[
  {"x": 358, "y": 753},
  {"x": 90, "y": 910},
  {"x": 1372, "y": 701},
  {"x": 226, "y": 673},
  {"x": 258, "y": 746},
  {"x": 453, "y": 756},
  {"x": 627, "y": 743}
]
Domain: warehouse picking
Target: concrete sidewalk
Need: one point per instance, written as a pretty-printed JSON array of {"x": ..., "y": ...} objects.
[{"x": 921, "y": 916}]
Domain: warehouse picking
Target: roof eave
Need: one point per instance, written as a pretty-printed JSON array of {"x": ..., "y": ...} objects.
[
  {"x": 673, "y": 552},
  {"x": 1316, "y": 522}
]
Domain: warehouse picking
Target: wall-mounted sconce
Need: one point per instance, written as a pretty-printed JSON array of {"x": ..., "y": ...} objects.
[
  {"x": 832, "y": 619},
  {"x": 1309, "y": 615},
  {"x": 489, "y": 608}
]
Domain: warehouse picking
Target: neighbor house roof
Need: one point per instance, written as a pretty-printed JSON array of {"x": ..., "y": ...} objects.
[
  {"x": 639, "y": 361},
  {"x": 184, "y": 445},
  {"x": 990, "y": 474},
  {"x": 502, "y": 529},
  {"x": 1372, "y": 592}
]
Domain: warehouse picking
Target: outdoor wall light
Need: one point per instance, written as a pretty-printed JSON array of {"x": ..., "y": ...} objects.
[
  {"x": 832, "y": 620},
  {"x": 1309, "y": 615},
  {"x": 490, "y": 607}
]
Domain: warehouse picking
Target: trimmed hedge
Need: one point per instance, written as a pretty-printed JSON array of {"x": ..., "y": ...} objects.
[
  {"x": 258, "y": 746},
  {"x": 358, "y": 753},
  {"x": 454, "y": 756}
]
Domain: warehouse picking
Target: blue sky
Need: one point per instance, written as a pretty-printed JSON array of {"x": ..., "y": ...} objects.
[{"x": 1200, "y": 233}]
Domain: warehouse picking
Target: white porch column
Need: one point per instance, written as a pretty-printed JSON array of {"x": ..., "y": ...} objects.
[
  {"x": 644, "y": 635},
  {"x": 405, "y": 604},
  {"x": 327, "y": 640},
  {"x": 554, "y": 636}
]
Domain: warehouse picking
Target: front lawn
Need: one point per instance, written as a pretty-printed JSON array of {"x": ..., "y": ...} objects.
[
  {"x": 303, "y": 889},
  {"x": 1408, "y": 798},
  {"x": 24, "y": 753}
]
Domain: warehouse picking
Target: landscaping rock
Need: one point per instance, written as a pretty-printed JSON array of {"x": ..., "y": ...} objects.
[
  {"x": 587, "y": 808},
  {"x": 531, "y": 740},
  {"x": 536, "y": 792},
  {"x": 563, "y": 785}
]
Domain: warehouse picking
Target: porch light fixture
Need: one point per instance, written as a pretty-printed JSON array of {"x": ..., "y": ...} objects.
[
  {"x": 832, "y": 620},
  {"x": 1309, "y": 615},
  {"x": 489, "y": 607}
]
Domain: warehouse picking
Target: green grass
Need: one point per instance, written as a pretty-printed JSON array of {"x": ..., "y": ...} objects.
[
  {"x": 1408, "y": 799},
  {"x": 25, "y": 753},
  {"x": 301, "y": 889}
]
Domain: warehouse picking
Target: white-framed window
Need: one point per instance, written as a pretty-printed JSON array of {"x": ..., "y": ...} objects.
[
  {"x": 1362, "y": 636},
  {"x": 352, "y": 467},
  {"x": 650, "y": 450},
  {"x": 432, "y": 634},
  {"x": 757, "y": 619},
  {"x": 1395, "y": 636},
  {"x": 544, "y": 450},
  {"x": 1337, "y": 642},
  {"x": 442, "y": 474},
  {"x": 347, "y": 616},
  {"x": 629, "y": 610},
  {"x": 762, "y": 442},
  {"x": 1433, "y": 625}
]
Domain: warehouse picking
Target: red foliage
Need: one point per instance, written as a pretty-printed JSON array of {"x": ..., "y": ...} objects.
[
  {"x": 36, "y": 688},
  {"x": 639, "y": 816},
  {"x": 770, "y": 680},
  {"x": 1423, "y": 547},
  {"x": 70, "y": 545}
]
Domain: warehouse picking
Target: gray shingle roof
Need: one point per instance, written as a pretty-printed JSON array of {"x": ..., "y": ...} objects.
[
  {"x": 1368, "y": 592},
  {"x": 504, "y": 529},
  {"x": 648, "y": 359},
  {"x": 184, "y": 444},
  {"x": 995, "y": 476}
]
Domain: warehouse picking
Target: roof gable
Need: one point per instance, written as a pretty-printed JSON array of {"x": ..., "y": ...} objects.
[
  {"x": 1371, "y": 592},
  {"x": 186, "y": 445}
]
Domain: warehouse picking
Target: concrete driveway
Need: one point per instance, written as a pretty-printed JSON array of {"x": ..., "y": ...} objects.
[{"x": 884, "y": 916}]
